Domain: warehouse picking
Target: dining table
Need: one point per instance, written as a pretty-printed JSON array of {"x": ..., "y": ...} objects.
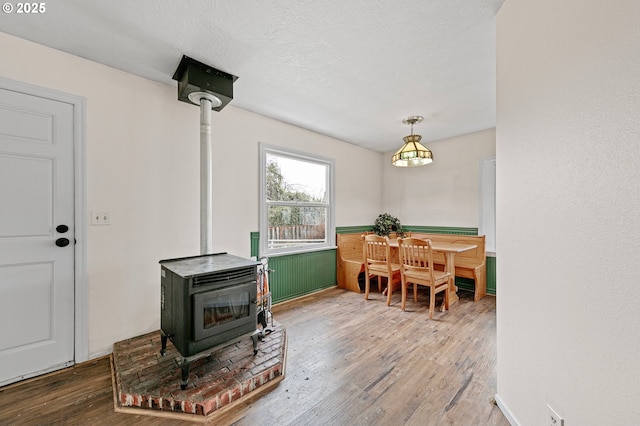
[{"x": 450, "y": 250}]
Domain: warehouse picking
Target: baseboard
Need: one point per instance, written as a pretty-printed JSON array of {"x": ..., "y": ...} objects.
[
  {"x": 505, "y": 411},
  {"x": 100, "y": 354}
]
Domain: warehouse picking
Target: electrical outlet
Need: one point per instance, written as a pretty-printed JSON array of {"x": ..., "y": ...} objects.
[
  {"x": 554, "y": 417},
  {"x": 100, "y": 218}
]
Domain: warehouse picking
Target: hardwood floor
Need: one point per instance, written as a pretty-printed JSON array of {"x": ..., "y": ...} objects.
[{"x": 350, "y": 361}]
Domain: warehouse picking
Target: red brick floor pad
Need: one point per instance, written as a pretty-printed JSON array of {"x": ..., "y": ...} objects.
[{"x": 144, "y": 379}]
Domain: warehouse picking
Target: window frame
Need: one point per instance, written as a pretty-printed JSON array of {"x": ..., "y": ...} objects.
[{"x": 329, "y": 204}]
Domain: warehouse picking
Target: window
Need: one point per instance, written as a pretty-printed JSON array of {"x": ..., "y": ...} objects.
[{"x": 296, "y": 201}]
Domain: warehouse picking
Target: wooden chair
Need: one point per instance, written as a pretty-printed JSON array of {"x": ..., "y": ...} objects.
[
  {"x": 377, "y": 261},
  {"x": 416, "y": 261}
]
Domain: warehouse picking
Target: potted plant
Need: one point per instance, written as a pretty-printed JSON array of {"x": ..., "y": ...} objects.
[{"x": 385, "y": 224}]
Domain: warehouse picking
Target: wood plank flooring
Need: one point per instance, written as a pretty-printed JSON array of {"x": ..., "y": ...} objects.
[{"x": 349, "y": 362}]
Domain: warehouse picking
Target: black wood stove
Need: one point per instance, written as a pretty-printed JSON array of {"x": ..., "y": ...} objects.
[{"x": 207, "y": 301}]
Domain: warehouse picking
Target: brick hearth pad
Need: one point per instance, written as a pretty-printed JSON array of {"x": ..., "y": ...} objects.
[{"x": 147, "y": 383}]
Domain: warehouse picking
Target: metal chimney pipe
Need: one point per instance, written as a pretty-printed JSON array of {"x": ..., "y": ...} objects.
[
  {"x": 211, "y": 89},
  {"x": 206, "y": 179},
  {"x": 207, "y": 101}
]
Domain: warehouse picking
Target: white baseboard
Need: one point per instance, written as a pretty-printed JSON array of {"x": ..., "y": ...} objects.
[
  {"x": 506, "y": 411},
  {"x": 99, "y": 355}
]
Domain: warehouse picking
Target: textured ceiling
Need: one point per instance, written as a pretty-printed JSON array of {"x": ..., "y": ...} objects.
[{"x": 351, "y": 69}]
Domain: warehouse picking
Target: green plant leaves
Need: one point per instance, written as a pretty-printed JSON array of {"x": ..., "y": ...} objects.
[{"x": 386, "y": 224}]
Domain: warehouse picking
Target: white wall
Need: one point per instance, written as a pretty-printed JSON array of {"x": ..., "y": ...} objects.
[
  {"x": 357, "y": 192},
  {"x": 443, "y": 193},
  {"x": 568, "y": 202},
  {"x": 143, "y": 166}
]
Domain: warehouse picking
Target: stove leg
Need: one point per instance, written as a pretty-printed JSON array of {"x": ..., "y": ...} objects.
[
  {"x": 186, "y": 365},
  {"x": 163, "y": 339}
]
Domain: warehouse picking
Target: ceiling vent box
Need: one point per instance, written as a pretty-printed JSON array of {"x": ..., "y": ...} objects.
[{"x": 194, "y": 76}]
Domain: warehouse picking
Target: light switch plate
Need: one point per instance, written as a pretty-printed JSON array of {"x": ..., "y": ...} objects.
[{"x": 101, "y": 218}]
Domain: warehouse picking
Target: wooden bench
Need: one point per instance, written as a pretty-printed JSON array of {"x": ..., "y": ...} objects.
[
  {"x": 469, "y": 264},
  {"x": 350, "y": 260}
]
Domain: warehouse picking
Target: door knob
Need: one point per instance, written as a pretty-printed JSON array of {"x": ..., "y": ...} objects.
[
  {"x": 62, "y": 228},
  {"x": 62, "y": 242}
]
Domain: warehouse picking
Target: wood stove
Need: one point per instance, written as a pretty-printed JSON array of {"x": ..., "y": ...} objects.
[{"x": 207, "y": 301}]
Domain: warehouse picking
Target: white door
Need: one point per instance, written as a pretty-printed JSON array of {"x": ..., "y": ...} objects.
[{"x": 36, "y": 269}]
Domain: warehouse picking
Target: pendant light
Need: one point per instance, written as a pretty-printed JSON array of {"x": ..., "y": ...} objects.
[{"x": 412, "y": 153}]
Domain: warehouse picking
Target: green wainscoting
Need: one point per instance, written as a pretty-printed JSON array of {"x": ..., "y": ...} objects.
[
  {"x": 297, "y": 274},
  {"x": 467, "y": 283},
  {"x": 353, "y": 229},
  {"x": 491, "y": 275},
  {"x": 303, "y": 273},
  {"x": 412, "y": 228},
  {"x": 441, "y": 230},
  {"x": 255, "y": 244}
]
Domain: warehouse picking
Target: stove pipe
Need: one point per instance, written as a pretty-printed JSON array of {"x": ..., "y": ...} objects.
[
  {"x": 206, "y": 174},
  {"x": 211, "y": 89}
]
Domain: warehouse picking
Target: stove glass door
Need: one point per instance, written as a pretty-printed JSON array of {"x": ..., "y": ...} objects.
[
  {"x": 225, "y": 309},
  {"x": 217, "y": 311}
]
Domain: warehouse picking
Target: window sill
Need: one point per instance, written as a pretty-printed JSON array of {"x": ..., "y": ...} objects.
[{"x": 292, "y": 252}]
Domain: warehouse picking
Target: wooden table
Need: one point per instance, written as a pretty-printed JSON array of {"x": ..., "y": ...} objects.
[{"x": 449, "y": 250}]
